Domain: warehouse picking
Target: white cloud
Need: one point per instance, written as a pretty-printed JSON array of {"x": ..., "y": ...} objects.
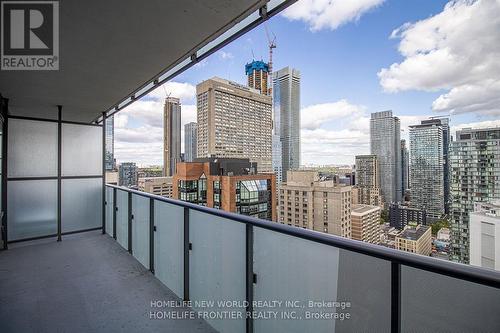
[
  {"x": 183, "y": 90},
  {"x": 329, "y": 14},
  {"x": 312, "y": 117},
  {"x": 225, "y": 55},
  {"x": 456, "y": 50},
  {"x": 332, "y": 133}
]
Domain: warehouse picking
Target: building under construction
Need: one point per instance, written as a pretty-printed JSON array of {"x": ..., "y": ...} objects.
[{"x": 257, "y": 72}]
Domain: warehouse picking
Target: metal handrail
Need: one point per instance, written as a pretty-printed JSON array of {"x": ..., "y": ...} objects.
[{"x": 456, "y": 270}]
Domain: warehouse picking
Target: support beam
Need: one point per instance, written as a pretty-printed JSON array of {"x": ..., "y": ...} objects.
[
  {"x": 59, "y": 163},
  {"x": 4, "y": 108},
  {"x": 104, "y": 173}
]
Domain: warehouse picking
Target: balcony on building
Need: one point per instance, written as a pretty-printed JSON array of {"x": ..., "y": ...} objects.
[{"x": 80, "y": 255}]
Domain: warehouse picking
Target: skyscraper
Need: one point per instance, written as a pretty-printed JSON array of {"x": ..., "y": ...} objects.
[
  {"x": 286, "y": 99},
  {"x": 171, "y": 135},
  {"x": 234, "y": 121},
  {"x": 257, "y": 73},
  {"x": 367, "y": 189},
  {"x": 474, "y": 161},
  {"x": 190, "y": 135},
  {"x": 385, "y": 142},
  {"x": 110, "y": 144},
  {"x": 445, "y": 125},
  {"x": 277, "y": 159},
  {"x": 405, "y": 168},
  {"x": 427, "y": 167}
]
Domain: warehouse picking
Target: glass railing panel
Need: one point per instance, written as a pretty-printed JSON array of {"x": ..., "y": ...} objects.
[
  {"x": 169, "y": 246},
  {"x": 217, "y": 265},
  {"x": 109, "y": 211},
  {"x": 140, "y": 229},
  {"x": 32, "y": 207},
  {"x": 364, "y": 282},
  {"x": 122, "y": 218},
  {"x": 436, "y": 303},
  {"x": 32, "y": 148},
  {"x": 310, "y": 287},
  {"x": 81, "y": 201}
]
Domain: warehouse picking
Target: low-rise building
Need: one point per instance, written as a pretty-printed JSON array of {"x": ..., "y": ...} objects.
[
  {"x": 230, "y": 184},
  {"x": 484, "y": 224},
  {"x": 388, "y": 235},
  {"x": 443, "y": 234},
  {"x": 415, "y": 239},
  {"x": 365, "y": 223},
  {"x": 401, "y": 215},
  {"x": 152, "y": 171},
  {"x": 156, "y": 185},
  {"x": 111, "y": 177}
]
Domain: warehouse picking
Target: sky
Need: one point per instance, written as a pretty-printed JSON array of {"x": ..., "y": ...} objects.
[{"x": 418, "y": 58}]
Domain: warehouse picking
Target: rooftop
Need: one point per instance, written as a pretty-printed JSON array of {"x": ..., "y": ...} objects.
[
  {"x": 361, "y": 209},
  {"x": 413, "y": 233}
]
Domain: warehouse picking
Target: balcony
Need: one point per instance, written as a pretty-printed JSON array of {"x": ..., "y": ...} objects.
[
  {"x": 87, "y": 283},
  {"x": 157, "y": 249},
  {"x": 80, "y": 255}
]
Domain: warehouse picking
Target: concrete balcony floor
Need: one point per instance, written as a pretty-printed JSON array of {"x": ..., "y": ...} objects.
[{"x": 86, "y": 283}]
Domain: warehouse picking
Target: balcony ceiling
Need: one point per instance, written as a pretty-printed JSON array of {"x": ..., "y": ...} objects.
[{"x": 110, "y": 48}]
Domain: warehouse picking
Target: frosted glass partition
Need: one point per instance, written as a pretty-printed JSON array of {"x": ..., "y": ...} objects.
[
  {"x": 217, "y": 266},
  {"x": 437, "y": 303},
  {"x": 32, "y": 148},
  {"x": 122, "y": 218},
  {"x": 81, "y": 203},
  {"x": 109, "y": 211},
  {"x": 303, "y": 274},
  {"x": 32, "y": 207},
  {"x": 169, "y": 246},
  {"x": 81, "y": 150},
  {"x": 140, "y": 229}
]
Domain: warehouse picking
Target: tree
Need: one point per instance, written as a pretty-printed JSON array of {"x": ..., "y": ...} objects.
[
  {"x": 384, "y": 216},
  {"x": 438, "y": 225}
]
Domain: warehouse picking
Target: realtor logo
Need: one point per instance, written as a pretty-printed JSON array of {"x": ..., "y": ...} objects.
[{"x": 29, "y": 35}]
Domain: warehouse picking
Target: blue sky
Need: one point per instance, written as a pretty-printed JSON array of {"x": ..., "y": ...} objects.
[{"x": 344, "y": 50}]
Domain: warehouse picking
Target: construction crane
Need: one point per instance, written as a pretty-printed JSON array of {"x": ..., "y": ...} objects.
[{"x": 272, "y": 45}]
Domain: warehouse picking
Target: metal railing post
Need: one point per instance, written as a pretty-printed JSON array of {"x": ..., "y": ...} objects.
[
  {"x": 395, "y": 297},
  {"x": 114, "y": 213},
  {"x": 152, "y": 230},
  {"x": 187, "y": 247},
  {"x": 249, "y": 276},
  {"x": 130, "y": 218}
]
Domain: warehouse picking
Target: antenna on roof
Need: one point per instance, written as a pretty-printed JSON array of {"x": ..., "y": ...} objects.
[{"x": 165, "y": 90}]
